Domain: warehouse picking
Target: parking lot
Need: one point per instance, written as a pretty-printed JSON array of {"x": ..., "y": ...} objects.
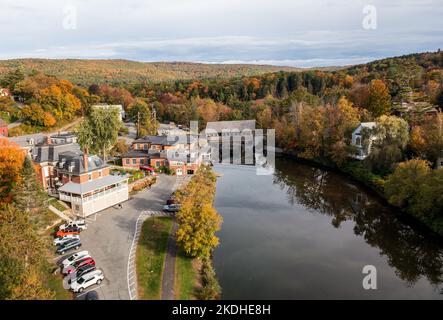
[{"x": 110, "y": 233}]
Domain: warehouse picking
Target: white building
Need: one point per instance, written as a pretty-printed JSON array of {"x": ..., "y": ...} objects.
[
  {"x": 119, "y": 107},
  {"x": 85, "y": 183},
  {"x": 363, "y": 148}
]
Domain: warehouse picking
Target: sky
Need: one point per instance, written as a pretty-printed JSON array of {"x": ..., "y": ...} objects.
[{"x": 300, "y": 33}]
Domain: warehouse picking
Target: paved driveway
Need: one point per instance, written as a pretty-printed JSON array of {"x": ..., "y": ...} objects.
[{"x": 110, "y": 233}]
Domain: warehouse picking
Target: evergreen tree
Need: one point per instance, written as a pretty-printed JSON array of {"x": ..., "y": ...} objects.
[{"x": 29, "y": 195}]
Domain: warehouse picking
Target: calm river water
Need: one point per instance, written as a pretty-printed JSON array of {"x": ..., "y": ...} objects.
[{"x": 306, "y": 233}]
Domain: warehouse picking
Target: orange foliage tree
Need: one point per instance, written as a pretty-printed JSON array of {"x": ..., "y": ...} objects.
[{"x": 11, "y": 162}]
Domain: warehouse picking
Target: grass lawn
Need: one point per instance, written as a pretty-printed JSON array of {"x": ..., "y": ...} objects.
[
  {"x": 151, "y": 252},
  {"x": 55, "y": 283},
  {"x": 185, "y": 277},
  {"x": 56, "y": 204}
]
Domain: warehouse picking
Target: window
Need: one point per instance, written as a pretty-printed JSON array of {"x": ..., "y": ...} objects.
[
  {"x": 89, "y": 177},
  {"x": 142, "y": 161},
  {"x": 145, "y": 147},
  {"x": 127, "y": 161},
  {"x": 134, "y": 161},
  {"x": 100, "y": 173},
  {"x": 77, "y": 207},
  {"x": 157, "y": 163},
  {"x": 358, "y": 141}
]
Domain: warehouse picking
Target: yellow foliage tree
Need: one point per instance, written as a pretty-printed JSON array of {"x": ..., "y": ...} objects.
[{"x": 198, "y": 220}]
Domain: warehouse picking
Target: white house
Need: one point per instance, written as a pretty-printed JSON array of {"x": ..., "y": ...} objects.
[
  {"x": 119, "y": 107},
  {"x": 363, "y": 148},
  {"x": 86, "y": 184}
]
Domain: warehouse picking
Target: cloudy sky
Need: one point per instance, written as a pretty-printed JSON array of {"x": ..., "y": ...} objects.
[{"x": 300, "y": 33}]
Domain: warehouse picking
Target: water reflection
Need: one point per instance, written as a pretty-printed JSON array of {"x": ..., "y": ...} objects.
[{"x": 412, "y": 254}]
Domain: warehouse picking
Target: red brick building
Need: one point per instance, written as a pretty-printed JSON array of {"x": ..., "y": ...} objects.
[{"x": 157, "y": 151}]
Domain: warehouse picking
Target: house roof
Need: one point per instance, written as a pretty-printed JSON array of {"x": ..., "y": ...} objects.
[
  {"x": 82, "y": 188},
  {"x": 159, "y": 140},
  {"x": 25, "y": 141},
  {"x": 368, "y": 124},
  {"x": 51, "y": 152},
  {"x": 135, "y": 154},
  {"x": 63, "y": 135},
  {"x": 240, "y": 125},
  {"x": 72, "y": 162}
]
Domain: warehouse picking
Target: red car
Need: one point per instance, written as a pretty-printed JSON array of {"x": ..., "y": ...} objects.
[
  {"x": 66, "y": 232},
  {"x": 82, "y": 263}
]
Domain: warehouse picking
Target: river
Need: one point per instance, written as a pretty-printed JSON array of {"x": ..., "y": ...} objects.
[{"x": 307, "y": 233}]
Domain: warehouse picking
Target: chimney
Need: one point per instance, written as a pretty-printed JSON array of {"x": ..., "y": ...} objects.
[
  {"x": 48, "y": 139},
  {"x": 85, "y": 161}
]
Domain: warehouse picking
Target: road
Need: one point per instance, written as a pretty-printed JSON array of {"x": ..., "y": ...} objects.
[{"x": 110, "y": 233}]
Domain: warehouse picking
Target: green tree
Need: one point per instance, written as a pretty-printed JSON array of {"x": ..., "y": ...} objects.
[
  {"x": 429, "y": 203},
  {"x": 140, "y": 112},
  {"x": 401, "y": 186},
  {"x": 391, "y": 136},
  {"x": 11, "y": 78},
  {"x": 99, "y": 132},
  {"x": 29, "y": 195},
  {"x": 21, "y": 257}
]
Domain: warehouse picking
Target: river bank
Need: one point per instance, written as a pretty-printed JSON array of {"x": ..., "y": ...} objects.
[{"x": 371, "y": 182}]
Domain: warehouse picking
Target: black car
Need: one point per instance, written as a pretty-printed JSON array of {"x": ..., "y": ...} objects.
[
  {"x": 81, "y": 272},
  {"x": 92, "y": 295},
  {"x": 70, "y": 245},
  {"x": 72, "y": 229}
]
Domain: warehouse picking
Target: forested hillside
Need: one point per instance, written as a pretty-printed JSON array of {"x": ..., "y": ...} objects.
[{"x": 86, "y": 72}]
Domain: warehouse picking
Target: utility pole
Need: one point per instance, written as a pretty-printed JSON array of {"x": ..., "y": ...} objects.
[
  {"x": 138, "y": 124},
  {"x": 154, "y": 118}
]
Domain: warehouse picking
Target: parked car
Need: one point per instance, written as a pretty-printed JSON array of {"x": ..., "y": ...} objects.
[
  {"x": 79, "y": 224},
  {"x": 75, "y": 257},
  {"x": 172, "y": 207},
  {"x": 67, "y": 231},
  {"x": 92, "y": 295},
  {"x": 67, "y": 246},
  {"x": 87, "y": 280},
  {"x": 170, "y": 201},
  {"x": 64, "y": 239},
  {"x": 148, "y": 169},
  {"x": 81, "y": 272},
  {"x": 84, "y": 262}
]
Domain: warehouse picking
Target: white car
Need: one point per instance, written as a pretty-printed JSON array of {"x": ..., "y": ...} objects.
[
  {"x": 87, "y": 280},
  {"x": 75, "y": 257},
  {"x": 79, "y": 224},
  {"x": 172, "y": 207},
  {"x": 66, "y": 238}
]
